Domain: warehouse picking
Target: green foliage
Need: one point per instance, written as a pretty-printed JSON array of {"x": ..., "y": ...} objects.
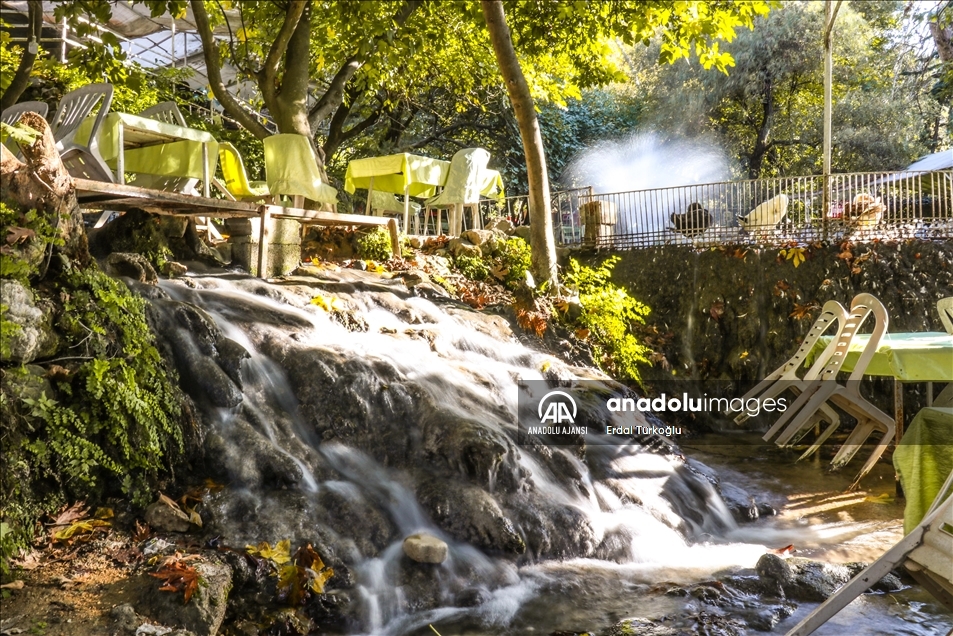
[
  {"x": 31, "y": 236},
  {"x": 375, "y": 245},
  {"x": 515, "y": 259},
  {"x": 473, "y": 267},
  {"x": 109, "y": 423},
  {"x": 7, "y": 548},
  {"x": 775, "y": 93},
  {"x": 609, "y": 314}
]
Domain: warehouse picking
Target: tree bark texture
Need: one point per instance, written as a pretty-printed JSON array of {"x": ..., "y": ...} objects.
[
  {"x": 540, "y": 207},
  {"x": 21, "y": 79},
  {"x": 41, "y": 182},
  {"x": 943, "y": 38}
]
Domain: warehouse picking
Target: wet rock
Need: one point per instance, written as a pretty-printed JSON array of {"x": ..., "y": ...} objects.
[
  {"x": 230, "y": 357},
  {"x": 125, "y": 618},
  {"x": 801, "y": 579},
  {"x": 425, "y": 548},
  {"x": 414, "y": 277},
  {"x": 172, "y": 269},
  {"x": 34, "y": 336},
  {"x": 470, "y": 514},
  {"x": 162, "y": 516},
  {"x": 206, "y": 610},
  {"x": 639, "y": 627},
  {"x": 766, "y": 619},
  {"x": 741, "y": 504},
  {"x": 429, "y": 290},
  {"x": 135, "y": 266}
]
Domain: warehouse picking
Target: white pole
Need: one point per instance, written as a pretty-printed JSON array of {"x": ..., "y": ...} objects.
[
  {"x": 173, "y": 42},
  {"x": 830, "y": 14}
]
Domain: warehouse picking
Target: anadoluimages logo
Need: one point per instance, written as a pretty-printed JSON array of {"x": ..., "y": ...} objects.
[{"x": 554, "y": 408}]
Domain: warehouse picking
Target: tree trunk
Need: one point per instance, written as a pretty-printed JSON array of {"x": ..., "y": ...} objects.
[
  {"x": 21, "y": 78},
  {"x": 541, "y": 222},
  {"x": 42, "y": 183},
  {"x": 762, "y": 144},
  {"x": 943, "y": 38}
]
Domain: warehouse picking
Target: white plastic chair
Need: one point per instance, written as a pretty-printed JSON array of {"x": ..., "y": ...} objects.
[
  {"x": 826, "y": 388},
  {"x": 945, "y": 307},
  {"x": 11, "y": 115},
  {"x": 785, "y": 376},
  {"x": 167, "y": 112},
  {"x": 81, "y": 160},
  {"x": 465, "y": 179}
]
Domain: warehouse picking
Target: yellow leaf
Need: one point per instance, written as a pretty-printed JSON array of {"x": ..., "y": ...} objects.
[
  {"x": 544, "y": 367},
  {"x": 278, "y": 555},
  {"x": 320, "y": 578}
]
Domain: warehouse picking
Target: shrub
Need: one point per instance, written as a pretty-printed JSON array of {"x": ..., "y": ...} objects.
[
  {"x": 375, "y": 245},
  {"x": 473, "y": 267},
  {"x": 608, "y": 312},
  {"x": 515, "y": 258}
]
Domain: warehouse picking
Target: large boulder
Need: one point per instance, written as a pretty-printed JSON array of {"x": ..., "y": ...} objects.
[
  {"x": 801, "y": 579},
  {"x": 205, "y": 611},
  {"x": 28, "y": 332}
]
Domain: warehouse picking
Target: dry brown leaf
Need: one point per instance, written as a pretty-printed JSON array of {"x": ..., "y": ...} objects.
[{"x": 13, "y": 585}]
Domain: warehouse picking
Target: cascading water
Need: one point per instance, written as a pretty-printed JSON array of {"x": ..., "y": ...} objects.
[{"x": 395, "y": 415}]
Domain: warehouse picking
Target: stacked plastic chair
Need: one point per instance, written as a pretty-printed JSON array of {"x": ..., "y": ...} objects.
[
  {"x": 785, "y": 377},
  {"x": 825, "y": 389}
]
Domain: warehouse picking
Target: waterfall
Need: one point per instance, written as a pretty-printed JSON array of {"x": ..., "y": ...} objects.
[{"x": 395, "y": 414}]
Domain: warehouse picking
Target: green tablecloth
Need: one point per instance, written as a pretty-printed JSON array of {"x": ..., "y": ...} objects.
[
  {"x": 910, "y": 357},
  {"x": 394, "y": 173},
  {"x": 152, "y": 146},
  {"x": 491, "y": 185},
  {"x": 923, "y": 460}
]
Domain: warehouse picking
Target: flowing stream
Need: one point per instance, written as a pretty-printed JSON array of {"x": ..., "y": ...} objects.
[{"x": 393, "y": 414}]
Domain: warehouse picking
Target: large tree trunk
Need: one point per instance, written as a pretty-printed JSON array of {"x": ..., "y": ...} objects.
[
  {"x": 21, "y": 78},
  {"x": 540, "y": 212},
  {"x": 42, "y": 183}
]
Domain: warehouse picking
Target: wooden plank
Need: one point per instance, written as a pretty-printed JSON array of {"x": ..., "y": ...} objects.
[
  {"x": 121, "y": 191},
  {"x": 319, "y": 216}
]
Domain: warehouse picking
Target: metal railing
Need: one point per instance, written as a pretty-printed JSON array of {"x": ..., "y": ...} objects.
[
  {"x": 780, "y": 211},
  {"x": 565, "y": 205}
]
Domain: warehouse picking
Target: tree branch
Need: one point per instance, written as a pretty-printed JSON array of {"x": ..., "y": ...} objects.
[
  {"x": 333, "y": 97},
  {"x": 21, "y": 78},
  {"x": 420, "y": 143},
  {"x": 269, "y": 71},
  {"x": 214, "y": 68}
]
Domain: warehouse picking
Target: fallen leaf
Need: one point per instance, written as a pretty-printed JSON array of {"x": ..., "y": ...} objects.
[
  {"x": 17, "y": 234},
  {"x": 278, "y": 555},
  {"x": 177, "y": 576},
  {"x": 13, "y": 585}
]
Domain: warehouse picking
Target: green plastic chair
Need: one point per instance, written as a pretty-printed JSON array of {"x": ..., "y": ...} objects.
[
  {"x": 292, "y": 170},
  {"x": 236, "y": 179}
]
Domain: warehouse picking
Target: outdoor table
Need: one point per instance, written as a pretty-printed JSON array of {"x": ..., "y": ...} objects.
[
  {"x": 906, "y": 357},
  {"x": 404, "y": 173},
  {"x": 923, "y": 459},
  {"x": 148, "y": 146}
]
